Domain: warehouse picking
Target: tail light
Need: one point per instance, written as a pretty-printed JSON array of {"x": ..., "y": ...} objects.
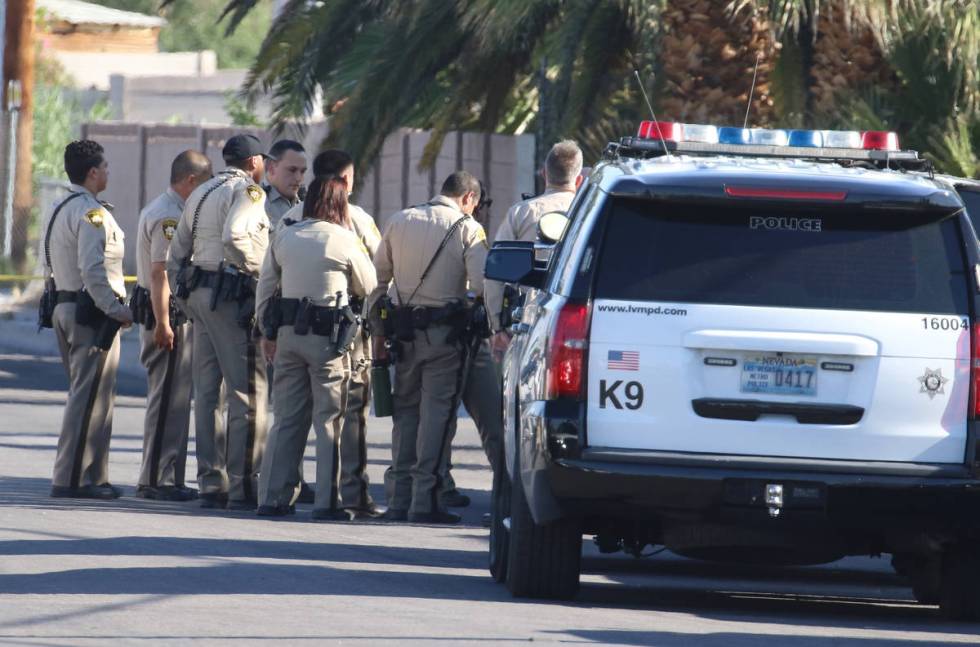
[
  {"x": 567, "y": 352},
  {"x": 975, "y": 373}
]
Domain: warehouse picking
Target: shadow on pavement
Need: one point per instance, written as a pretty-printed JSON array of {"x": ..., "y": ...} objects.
[
  {"x": 725, "y": 639},
  {"x": 35, "y": 373}
]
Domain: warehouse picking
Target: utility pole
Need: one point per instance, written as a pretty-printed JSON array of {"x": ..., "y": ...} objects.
[{"x": 18, "y": 66}]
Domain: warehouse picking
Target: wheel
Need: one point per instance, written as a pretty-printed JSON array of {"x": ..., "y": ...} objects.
[
  {"x": 543, "y": 561},
  {"x": 959, "y": 594},
  {"x": 499, "y": 510}
]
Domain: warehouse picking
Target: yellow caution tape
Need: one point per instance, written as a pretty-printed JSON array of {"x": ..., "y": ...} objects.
[{"x": 24, "y": 277}]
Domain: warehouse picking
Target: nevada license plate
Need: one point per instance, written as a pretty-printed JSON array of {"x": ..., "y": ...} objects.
[{"x": 780, "y": 374}]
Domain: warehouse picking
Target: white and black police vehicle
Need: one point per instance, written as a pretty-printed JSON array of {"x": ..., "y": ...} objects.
[{"x": 747, "y": 345}]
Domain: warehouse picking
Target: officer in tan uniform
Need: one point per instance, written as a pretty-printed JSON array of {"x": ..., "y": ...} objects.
[
  {"x": 316, "y": 263},
  {"x": 481, "y": 398},
  {"x": 354, "y": 482},
  {"x": 562, "y": 176},
  {"x": 427, "y": 255},
  {"x": 214, "y": 259},
  {"x": 83, "y": 249},
  {"x": 285, "y": 168},
  {"x": 165, "y": 337}
]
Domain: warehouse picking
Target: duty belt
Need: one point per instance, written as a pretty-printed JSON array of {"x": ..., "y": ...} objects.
[
  {"x": 421, "y": 317},
  {"x": 305, "y": 317},
  {"x": 66, "y": 296}
]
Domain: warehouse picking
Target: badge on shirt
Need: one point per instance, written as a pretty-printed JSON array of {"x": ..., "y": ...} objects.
[
  {"x": 169, "y": 228},
  {"x": 254, "y": 192},
  {"x": 94, "y": 216}
]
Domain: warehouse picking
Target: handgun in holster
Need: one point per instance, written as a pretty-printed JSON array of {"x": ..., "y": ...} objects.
[
  {"x": 217, "y": 288},
  {"x": 349, "y": 328},
  {"x": 105, "y": 333},
  {"x": 301, "y": 326},
  {"x": 186, "y": 279},
  {"x": 272, "y": 317},
  {"x": 86, "y": 312},
  {"x": 510, "y": 301}
]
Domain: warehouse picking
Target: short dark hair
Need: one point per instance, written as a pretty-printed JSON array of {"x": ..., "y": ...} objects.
[
  {"x": 332, "y": 161},
  {"x": 284, "y": 145},
  {"x": 459, "y": 184},
  {"x": 188, "y": 163},
  {"x": 80, "y": 156}
]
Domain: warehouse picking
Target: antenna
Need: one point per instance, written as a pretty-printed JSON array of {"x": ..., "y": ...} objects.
[
  {"x": 653, "y": 114},
  {"x": 755, "y": 75}
]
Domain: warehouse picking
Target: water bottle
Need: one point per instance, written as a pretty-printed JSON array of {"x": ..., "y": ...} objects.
[{"x": 381, "y": 389}]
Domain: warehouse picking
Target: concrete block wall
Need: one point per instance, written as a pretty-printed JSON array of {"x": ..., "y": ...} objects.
[{"x": 140, "y": 156}]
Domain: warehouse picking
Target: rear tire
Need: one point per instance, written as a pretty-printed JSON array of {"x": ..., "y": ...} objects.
[
  {"x": 959, "y": 597},
  {"x": 543, "y": 561},
  {"x": 499, "y": 510}
]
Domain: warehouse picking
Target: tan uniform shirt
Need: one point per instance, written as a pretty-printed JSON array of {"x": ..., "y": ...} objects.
[
  {"x": 365, "y": 228},
  {"x": 315, "y": 259},
  {"x": 232, "y": 225},
  {"x": 277, "y": 205},
  {"x": 158, "y": 222},
  {"x": 408, "y": 245},
  {"x": 87, "y": 248},
  {"x": 521, "y": 223}
]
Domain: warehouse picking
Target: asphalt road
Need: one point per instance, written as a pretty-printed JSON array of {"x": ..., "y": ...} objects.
[{"x": 140, "y": 572}]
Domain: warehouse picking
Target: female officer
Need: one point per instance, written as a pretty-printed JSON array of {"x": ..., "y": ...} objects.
[{"x": 316, "y": 262}]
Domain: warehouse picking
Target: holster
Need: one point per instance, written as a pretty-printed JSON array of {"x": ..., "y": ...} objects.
[
  {"x": 349, "y": 329},
  {"x": 86, "y": 312},
  {"x": 272, "y": 318},
  {"x": 186, "y": 280},
  {"x": 301, "y": 325},
  {"x": 45, "y": 307},
  {"x": 105, "y": 333},
  {"x": 510, "y": 301}
]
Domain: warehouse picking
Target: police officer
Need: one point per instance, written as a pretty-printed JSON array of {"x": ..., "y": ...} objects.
[
  {"x": 284, "y": 170},
  {"x": 316, "y": 263},
  {"x": 354, "y": 480},
  {"x": 83, "y": 249},
  {"x": 481, "y": 397},
  {"x": 426, "y": 256},
  {"x": 562, "y": 176},
  {"x": 165, "y": 337},
  {"x": 214, "y": 259}
]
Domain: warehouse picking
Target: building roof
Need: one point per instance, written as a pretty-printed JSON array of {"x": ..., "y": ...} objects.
[{"x": 86, "y": 13}]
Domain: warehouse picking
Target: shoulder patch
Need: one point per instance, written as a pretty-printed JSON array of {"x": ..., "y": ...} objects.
[
  {"x": 254, "y": 192},
  {"x": 94, "y": 217},
  {"x": 169, "y": 226},
  {"x": 481, "y": 236}
]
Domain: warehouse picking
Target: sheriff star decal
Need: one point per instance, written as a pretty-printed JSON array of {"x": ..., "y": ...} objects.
[
  {"x": 94, "y": 217},
  {"x": 254, "y": 192},
  {"x": 933, "y": 383},
  {"x": 169, "y": 227}
]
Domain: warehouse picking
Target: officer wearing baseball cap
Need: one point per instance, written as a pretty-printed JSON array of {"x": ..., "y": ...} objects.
[{"x": 215, "y": 256}]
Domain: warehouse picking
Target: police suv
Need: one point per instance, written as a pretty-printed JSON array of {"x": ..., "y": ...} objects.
[{"x": 752, "y": 346}]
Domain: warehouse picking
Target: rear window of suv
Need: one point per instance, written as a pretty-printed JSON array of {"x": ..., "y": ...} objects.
[{"x": 836, "y": 259}]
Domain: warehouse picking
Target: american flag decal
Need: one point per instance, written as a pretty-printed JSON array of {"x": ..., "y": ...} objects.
[{"x": 624, "y": 360}]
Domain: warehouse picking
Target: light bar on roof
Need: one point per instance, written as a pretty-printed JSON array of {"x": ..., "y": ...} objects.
[{"x": 670, "y": 131}]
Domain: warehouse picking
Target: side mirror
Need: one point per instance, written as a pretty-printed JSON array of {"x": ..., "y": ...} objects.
[
  {"x": 551, "y": 227},
  {"x": 513, "y": 262}
]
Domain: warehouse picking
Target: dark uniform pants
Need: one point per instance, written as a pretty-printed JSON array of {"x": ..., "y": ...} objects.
[
  {"x": 483, "y": 401},
  {"x": 307, "y": 369},
  {"x": 223, "y": 350},
  {"x": 428, "y": 380},
  {"x": 168, "y": 408},
  {"x": 83, "y": 446}
]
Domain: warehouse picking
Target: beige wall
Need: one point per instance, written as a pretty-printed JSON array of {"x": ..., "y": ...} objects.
[{"x": 140, "y": 155}]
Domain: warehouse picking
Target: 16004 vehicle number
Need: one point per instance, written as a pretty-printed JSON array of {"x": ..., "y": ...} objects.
[{"x": 945, "y": 323}]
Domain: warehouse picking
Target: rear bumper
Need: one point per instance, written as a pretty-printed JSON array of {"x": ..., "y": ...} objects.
[{"x": 561, "y": 479}]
